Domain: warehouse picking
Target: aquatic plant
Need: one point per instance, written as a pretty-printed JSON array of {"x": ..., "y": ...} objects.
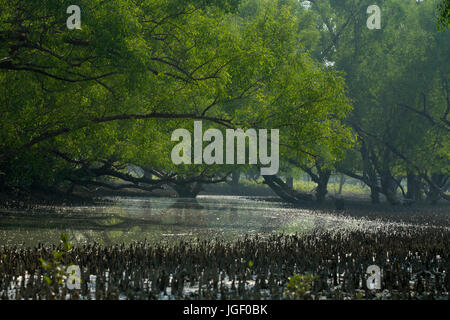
[
  {"x": 414, "y": 262},
  {"x": 300, "y": 284},
  {"x": 57, "y": 271}
]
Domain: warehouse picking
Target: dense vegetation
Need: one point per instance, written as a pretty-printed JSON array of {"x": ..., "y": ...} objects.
[
  {"x": 328, "y": 266},
  {"x": 78, "y": 107}
]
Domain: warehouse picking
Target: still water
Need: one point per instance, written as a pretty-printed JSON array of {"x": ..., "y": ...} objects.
[{"x": 124, "y": 220}]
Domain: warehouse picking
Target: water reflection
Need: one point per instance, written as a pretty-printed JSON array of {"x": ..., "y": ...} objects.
[{"x": 164, "y": 219}]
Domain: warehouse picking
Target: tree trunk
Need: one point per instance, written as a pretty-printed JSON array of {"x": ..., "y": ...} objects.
[
  {"x": 371, "y": 174},
  {"x": 341, "y": 183},
  {"x": 290, "y": 182},
  {"x": 414, "y": 191},
  {"x": 282, "y": 190},
  {"x": 321, "y": 178},
  {"x": 434, "y": 193},
  {"x": 375, "y": 194},
  {"x": 322, "y": 183},
  {"x": 365, "y": 179},
  {"x": 389, "y": 187}
]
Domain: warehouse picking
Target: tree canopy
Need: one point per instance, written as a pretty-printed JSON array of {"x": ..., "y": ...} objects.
[
  {"x": 78, "y": 104},
  {"x": 82, "y": 105}
]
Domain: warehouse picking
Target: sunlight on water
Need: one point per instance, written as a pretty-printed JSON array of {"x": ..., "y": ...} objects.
[{"x": 169, "y": 219}]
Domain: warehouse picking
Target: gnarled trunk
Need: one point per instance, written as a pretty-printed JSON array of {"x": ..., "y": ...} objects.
[
  {"x": 322, "y": 183},
  {"x": 414, "y": 191},
  {"x": 282, "y": 190},
  {"x": 374, "y": 194},
  {"x": 321, "y": 178},
  {"x": 389, "y": 187},
  {"x": 434, "y": 193},
  {"x": 388, "y": 184},
  {"x": 370, "y": 174}
]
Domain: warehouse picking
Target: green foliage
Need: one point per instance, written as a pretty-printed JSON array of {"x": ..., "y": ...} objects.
[
  {"x": 90, "y": 94},
  {"x": 56, "y": 270},
  {"x": 397, "y": 78},
  {"x": 444, "y": 14},
  {"x": 347, "y": 188},
  {"x": 300, "y": 284},
  {"x": 114, "y": 91}
]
